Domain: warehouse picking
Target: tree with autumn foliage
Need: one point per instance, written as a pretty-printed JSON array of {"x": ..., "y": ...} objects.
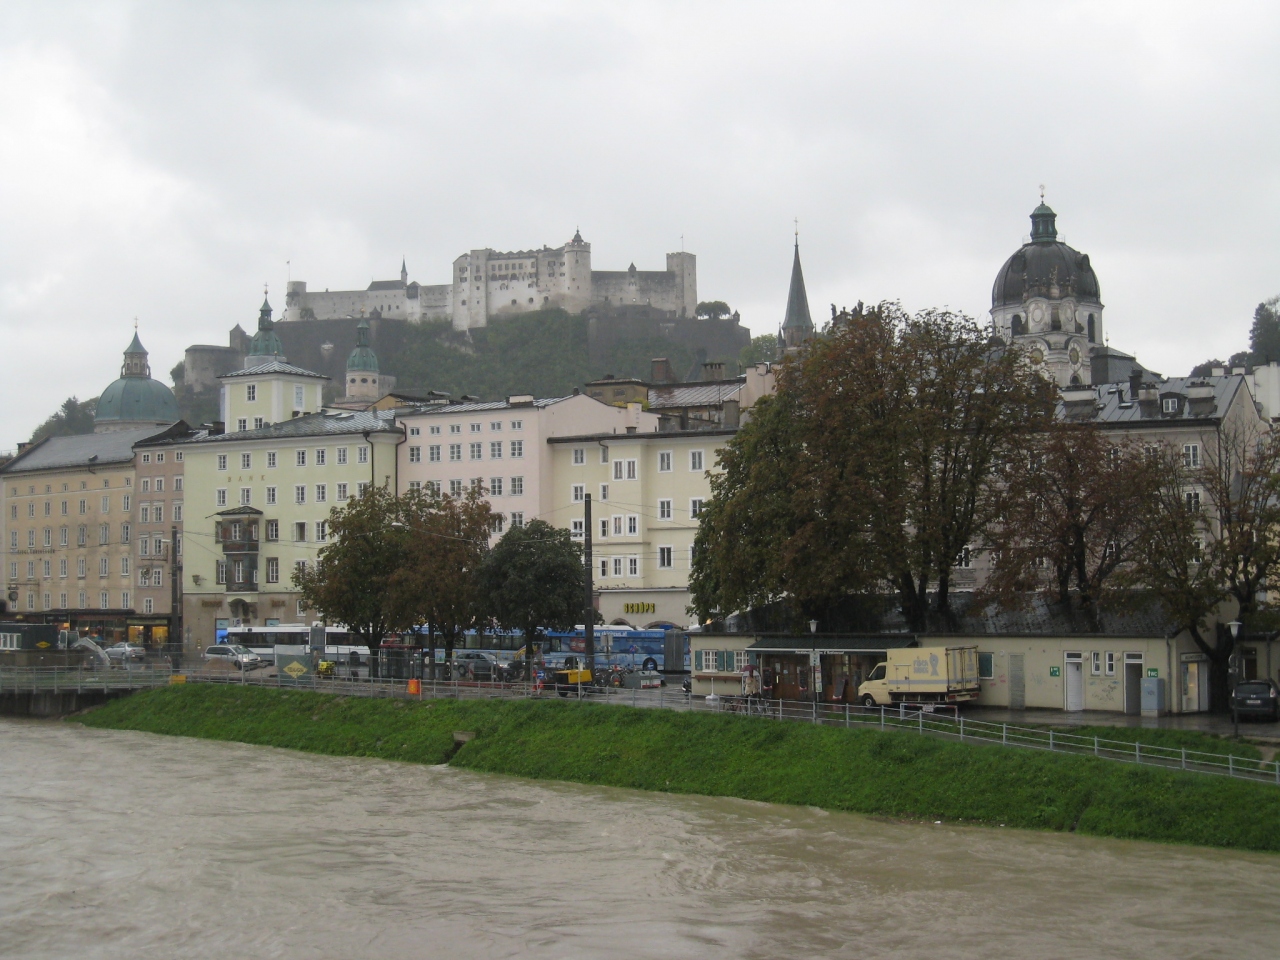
[
  {"x": 350, "y": 581},
  {"x": 876, "y": 463},
  {"x": 439, "y": 583},
  {"x": 1069, "y": 517}
]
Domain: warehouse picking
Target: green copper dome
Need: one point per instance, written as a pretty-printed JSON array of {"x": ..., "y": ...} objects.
[
  {"x": 135, "y": 397},
  {"x": 362, "y": 357},
  {"x": 266, "y": 342}
]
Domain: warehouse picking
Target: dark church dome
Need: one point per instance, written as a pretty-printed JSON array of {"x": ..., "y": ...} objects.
[{"x": 1045, "y": 267}]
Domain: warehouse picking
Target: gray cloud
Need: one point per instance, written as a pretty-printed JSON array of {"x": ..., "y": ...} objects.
[{"x": 164, "y": 160}]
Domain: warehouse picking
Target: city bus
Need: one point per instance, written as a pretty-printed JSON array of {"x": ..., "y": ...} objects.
[{"x": 338, "y": 641}]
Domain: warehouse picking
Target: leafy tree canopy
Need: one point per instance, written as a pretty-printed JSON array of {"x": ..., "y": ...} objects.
[
  {"x": 72, "y": 419},
  {"x": 712, "y": 310},
  {"x": 760, "y": 349}
]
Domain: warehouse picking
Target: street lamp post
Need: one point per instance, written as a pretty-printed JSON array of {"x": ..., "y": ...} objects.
[
  {"x": 815, "y": 665},
  {"x": 1233, "y": 675}
]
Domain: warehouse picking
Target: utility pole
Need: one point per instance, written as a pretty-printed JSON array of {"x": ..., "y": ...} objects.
[
  {"x": 589, "y": 611},
  {"x": 175, "y": 595}
]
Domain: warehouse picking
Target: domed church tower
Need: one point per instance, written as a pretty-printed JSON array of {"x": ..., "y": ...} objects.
[
  {"x": 135, "y": 400},
  {"x": 362, "y": 368},
  {"x": 1046, "y": 300}
]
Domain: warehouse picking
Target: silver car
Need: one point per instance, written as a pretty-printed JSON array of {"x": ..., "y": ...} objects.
[
  {"x": 125, "y": 652},
  {"x": 242, "y": 658}
]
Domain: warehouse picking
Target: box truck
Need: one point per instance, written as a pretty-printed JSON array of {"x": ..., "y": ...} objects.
[{"x": 923, "y": 675}]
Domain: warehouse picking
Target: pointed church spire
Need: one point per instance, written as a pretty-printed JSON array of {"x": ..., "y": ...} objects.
[
  {"x": 404, "y": 272},
  {"x": 798, "y": 325}
]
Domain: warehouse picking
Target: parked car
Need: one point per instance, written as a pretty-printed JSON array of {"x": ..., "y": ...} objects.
[
  {"x": 242, "y": 658},
  {"x": 124, "y": 652},
  {"x": 480, "y": 665},
  {"x": 1256, "y": 698}
]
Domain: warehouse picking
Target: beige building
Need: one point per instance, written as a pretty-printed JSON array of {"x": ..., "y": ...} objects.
[
  {"x": 502, "y": 446},
  {"x": 647, "y": 490}
]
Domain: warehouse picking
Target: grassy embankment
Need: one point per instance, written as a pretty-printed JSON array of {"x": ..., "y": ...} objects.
[{"x": 863, "y": 771}]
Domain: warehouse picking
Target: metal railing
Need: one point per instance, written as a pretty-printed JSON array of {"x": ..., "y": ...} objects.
[{"x": 900, "y": 718}]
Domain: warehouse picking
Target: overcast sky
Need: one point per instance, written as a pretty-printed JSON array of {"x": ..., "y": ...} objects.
[{"x": 163, "y": 161}]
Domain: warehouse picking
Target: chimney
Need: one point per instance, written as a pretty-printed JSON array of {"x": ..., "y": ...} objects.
[
  {"x": 712, "y": 371},
  {"x": 660, "y": 371},
  {"x": 731, "y": 413},
  {"x": 1135, "y": 383},
  {"x": 1218, "y": 371}
]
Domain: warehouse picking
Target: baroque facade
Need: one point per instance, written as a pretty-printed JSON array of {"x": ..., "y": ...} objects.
[{"x": 489, "y": 283}]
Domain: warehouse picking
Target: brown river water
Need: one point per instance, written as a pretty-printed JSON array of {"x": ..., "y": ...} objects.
[{"x": 130, "y": 845}]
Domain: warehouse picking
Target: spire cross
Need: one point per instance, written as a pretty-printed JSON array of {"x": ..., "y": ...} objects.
[
  {"x": 1042, "y": 193},
  {"x": 797, "y": 222}
]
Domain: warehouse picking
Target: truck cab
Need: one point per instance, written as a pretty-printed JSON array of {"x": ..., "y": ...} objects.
[{"x": 874, "y": 691}]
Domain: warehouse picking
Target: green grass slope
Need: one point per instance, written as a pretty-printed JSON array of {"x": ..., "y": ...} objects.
[{"x": 863, "y": 771}]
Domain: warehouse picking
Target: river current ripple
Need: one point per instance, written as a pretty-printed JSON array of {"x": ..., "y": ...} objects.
[{"x": 120, "y": 844}]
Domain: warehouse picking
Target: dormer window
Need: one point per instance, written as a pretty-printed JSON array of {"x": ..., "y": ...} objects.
[{"x": 1170, "y": 405}]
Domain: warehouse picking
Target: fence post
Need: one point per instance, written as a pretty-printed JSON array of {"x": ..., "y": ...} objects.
[
  {"x": 1095, "y": 746},
  {"x": 1137, "y": 752},
  {"x": 1276, "y": 764},
  {"x": 815, "y": 711},
  {"x": 1051, "y": 741},
  {"x": 846, "y": 716},
  {"x": 961, "y": 729},
  {"x": 1004, "y": 734},
  {"x": 1184, "y": 758},
  {"x": 921, "y": 726},
  {"x": 882, "y": 716},
  {"x": 1231, "y": 765}
]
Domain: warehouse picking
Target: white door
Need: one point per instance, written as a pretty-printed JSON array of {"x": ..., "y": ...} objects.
[
  {"x": 1075, "y": 686},
  {"x": 1017, "y": 687}
]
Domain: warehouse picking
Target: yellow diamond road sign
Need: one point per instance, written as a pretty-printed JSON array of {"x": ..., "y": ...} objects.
[
  {"x": 295, "y": 669},
  {"x": 42, "y": 644}
]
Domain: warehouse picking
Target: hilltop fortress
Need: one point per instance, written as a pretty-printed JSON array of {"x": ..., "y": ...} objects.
[{"x": 488, "y": 283}]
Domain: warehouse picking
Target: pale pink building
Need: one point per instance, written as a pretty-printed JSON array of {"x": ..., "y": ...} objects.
[{"x": 502, "y": 445}]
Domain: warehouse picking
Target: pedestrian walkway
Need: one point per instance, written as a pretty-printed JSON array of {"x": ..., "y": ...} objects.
[{"x": 1217, "y": 724}]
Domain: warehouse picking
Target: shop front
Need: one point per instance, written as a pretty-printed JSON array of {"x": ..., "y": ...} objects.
[{"x": 828, "y": 669}]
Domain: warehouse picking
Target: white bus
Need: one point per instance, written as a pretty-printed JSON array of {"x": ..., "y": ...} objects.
[{"x": 262, "y": 640}]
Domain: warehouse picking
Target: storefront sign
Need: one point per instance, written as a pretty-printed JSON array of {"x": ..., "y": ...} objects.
[{"x": 639, "y": 608}]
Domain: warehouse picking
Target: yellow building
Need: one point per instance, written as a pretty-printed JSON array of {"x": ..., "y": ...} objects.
[
  {"x": 258, "y": 499},
  {"x": 647, "y": 490}
]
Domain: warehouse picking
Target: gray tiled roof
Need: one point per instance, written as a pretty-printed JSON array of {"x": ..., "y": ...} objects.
[
  {"x": 273, "y": 366},
  {"x": 710, "y": 394},
  {"x": 478, "y": 406},
  {"x": 314, "y": 425},
  {"x": 1114, "y": 405},
  {"x": 113, "y": 447}
]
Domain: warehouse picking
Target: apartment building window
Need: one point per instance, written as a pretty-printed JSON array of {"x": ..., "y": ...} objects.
[
  {"x": 477, "y": 483},
  {"x": 273, "y": 569},
  {"x": 517, "y": 424},
  {"x": 455, "y": 452},
  {"x": 222, "y": 463},
  {"x": 84, "y": 599},
  {"x": 498, "y": 523},
  {"x": 579, "y": 456},
  {"x": 48, "y": 568},
  {"x": 604, "y": 566},
  {"x": 145, "y": 513},
  {"x": 633, "y": 566},
  {"x": 455, "y": 488},
  {"x": 618, "y": 466},
  {"x": 695, "y": 508},
  {"x": 495, "y": 425},
  {"x": 104, "y": 602},
  {"x": 124, "y": 566},
  {"x": 361, "y": 488},
  {"x": 31, "y": 569},
  {"x": 1193, "y": 502},
  {"x": 125, "y": 532},
  {"x": 258, "y": 423},
  {"x": 342, "y": 492},
  {"x": 1197, "y": 550},
  {"x": 604, "y": 454},
  {"x": 273, "y": 529},
  {"x": 455, "y": 428},
  {"x": 146, "y": 458},
  {"x": 82, "y": 533},
  {"x": 414, "y": 431},
  {"x": 322, "y": 531},
  {"x": 604, "y": 528},
  {"x": 148, "y": 605},
  {"x": 220, "y": 498},
  {"x": 322, "y": 457},
  {"x": 48, "y": 537},
  {"x": 322, "y": 492},
  {"x": 157, "y": 513},
  {"x": 300, "y": 458},
  {"x": 664, "y": 558},
  {"x": 633, "y": 525},
  {"x": 342, "y": 455},
  {"x": 579, "y": 492},
  {"x": 433, "y": 453},
  {"x": 495, "y": 486},
  {"x": 617, "y": 566},
  {"x": 246, "y": 498},
  {"x": 84, "y": 508},
  {"x": 157, "y": 576},
  {"x": 475, "y": 428},
  {"x": 271, "y": 496},
  {"x": 31, "y": 538},
  {"x": 178, "y": 456},
  {"x": 159, "y": 488},
  {"x": 1095, "y": 663},
  {"x": 62, "y": 569},
  {"x": 695, "y": 459},
  {"x": 517, "y": 519},
  {"x": 433, "y": 488},
  {"x": 145, "y": 484},
  {"x": 604, "y": 492},
  {"x": 664, "y": 461},
  {"x": 271, "y": 459},
  {"x": 246, "y": 461},
  {"x": 104, "y": 534},
  {"x": 251, "y": 392},
  {"x": 80, "y": 568},
  {"x": 62, "y": 507},
  {"x": 242, "y": 424},
  {"x": 415, "y": 485},
  {"x": 177, "y": 484},
  {"x": 106, "y": 505},
  {"x": 48, "y": 507},
  {"x": 517, "y": 486},
  {"x": 62, "y": 537},
  {"x": 62, "y": 601},
  {"x": 144, "y": 547},
  {"x": 362, "y": 454},
  {"x": 238, "y": 568},
  {"x": 126, "y": 503},
  {"x": 495, "y": 450},
  {"x": 617, "y": 526},
  {"x": 965, "y": 559},
  {"x": 1110, "y": 669},
  {"x": 517, "y": 449},
  {"x": 415, "y": 454},
  {"x": 300, "y": 531},
  {"x": 575, "y": 529},
  {"x": 434, "y": 430},
  {"x": 300, "y": 493},
  {"x": 1191, "y": 455},
  {"x": 476, "y": 449}
]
